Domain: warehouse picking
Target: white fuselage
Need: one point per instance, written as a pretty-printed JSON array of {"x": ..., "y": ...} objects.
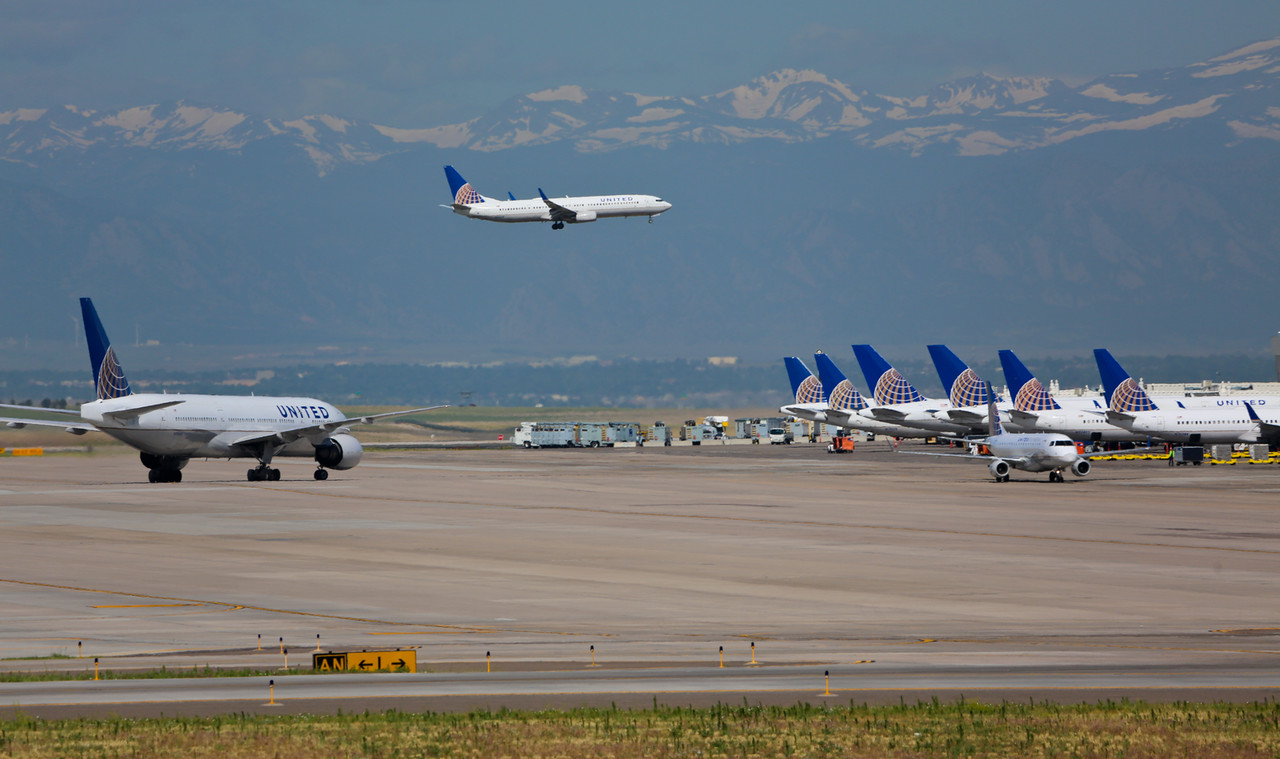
[
  {"x": 922, "y": 415},
  {"x": 206, "y": 426},
  {"x": 823, "y": 413},
  {"x": 1034, "y": 452},
  {"x": 588, "y": 208},
  {"x": 1225, "y": 424}
]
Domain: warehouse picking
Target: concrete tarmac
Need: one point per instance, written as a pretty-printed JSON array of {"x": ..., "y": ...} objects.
[{"x": 905, "y": 576}]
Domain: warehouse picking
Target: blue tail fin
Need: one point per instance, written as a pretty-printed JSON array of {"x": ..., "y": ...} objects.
[
  {"x": 462, "y": 191},
  {"x": 108, "y": 378},
  {"x": 963, "y": 385},
  {"x": 1028, "y": 394},
  {"x": 887, "y": 386},
  {"x": 805, "y": 386},
  {"x": 511, "y": 195},
  {"x": 841, "y": 393},
  {"x": 1123, "y": 393}
]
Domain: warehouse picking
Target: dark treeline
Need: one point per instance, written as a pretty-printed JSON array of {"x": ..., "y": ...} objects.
[{"x": 623, "y": 383}]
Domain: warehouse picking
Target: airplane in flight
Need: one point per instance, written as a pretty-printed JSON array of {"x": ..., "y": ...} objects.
[
  {"x": 567, "y": 210},
  {"x": 170, "y": 429},
  {"x": 1050, "y": 452},
  {"x": 1035, "y": 410},
  {"x": 841, "y": 405},
  {"x": 1195, "y": 421},
  {"x": 897, "y": 401}
]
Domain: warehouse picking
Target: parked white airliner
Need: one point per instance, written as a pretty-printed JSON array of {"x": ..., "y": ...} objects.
[
  {"x": 839, "y": 406},
  {"x": 1034, "y": 410},
  {"x": 567, "y": 210},
  {"x": 171, "y": 429}
]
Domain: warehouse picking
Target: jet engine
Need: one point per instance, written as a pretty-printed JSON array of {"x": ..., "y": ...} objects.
[
  {"x": 999, "y": 469},
  {"x": 1081, "y": 468},
  {"x": 584, "y": 216},
  {"x": 339, "y": 452},
  {"x": 154, "y": 461}
]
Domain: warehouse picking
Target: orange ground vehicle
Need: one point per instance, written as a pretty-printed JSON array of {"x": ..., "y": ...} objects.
[{"x": 840, "y": 444}]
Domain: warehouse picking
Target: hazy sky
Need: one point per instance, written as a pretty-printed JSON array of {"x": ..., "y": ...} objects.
[{"x": 426, "y": 63}]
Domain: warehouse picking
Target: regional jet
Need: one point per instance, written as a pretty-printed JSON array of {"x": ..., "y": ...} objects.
[
  {"x": 1029, "y": 451},
  {"x": 171, "y": 429},
  {"x": 560, "y": 211}
]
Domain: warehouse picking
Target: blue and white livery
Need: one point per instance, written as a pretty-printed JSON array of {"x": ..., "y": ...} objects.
[
  {"x": 171, "y": 429},
  {"x": 896, "y": 400},
  {"x": 567, "y": 210}
]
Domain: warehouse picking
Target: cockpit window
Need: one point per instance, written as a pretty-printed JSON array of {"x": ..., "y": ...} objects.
[{"x": 1061, "y": 442}]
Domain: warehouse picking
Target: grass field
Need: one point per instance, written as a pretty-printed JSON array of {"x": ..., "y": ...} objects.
[{"x": 1121, "y": 729}]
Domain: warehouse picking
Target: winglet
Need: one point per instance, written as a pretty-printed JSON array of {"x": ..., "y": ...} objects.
[
  {"x": 463, "y": 192},
  {"x": 1253, "y": 415},
  {"x": 805, "y": 386},
  {"x": 1123, "y": 393},
  {"x": 1028, "y": 394},
  {"x": 886, "y": 385},
  {"x": 108, "y": 377}
]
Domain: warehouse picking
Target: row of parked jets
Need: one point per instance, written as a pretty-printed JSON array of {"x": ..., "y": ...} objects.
[{"x": 1033, "y": 430}]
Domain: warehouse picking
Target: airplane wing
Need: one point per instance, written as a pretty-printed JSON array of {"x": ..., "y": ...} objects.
[
  {"x": 288, "y": 435},
  {"x": 41, "y": 409},
  {"x": 1014, "y": 462},
  {"x": 886, "y": 414},
  {"x": 75, "y": 428},
  {"x": 1023, "y": 417},
  {"x": 558, "y": 212}
]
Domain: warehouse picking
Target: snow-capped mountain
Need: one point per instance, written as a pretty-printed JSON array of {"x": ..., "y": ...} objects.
[{"x": 1236, "y": 93}]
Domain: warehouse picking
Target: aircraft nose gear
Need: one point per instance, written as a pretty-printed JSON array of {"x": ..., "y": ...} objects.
[
  {"x": 650, "y": 219},
  {"x": 264, "y": 473},
  {"x": 322, "y": 473},
  {"x": 1055, "y": 477}
]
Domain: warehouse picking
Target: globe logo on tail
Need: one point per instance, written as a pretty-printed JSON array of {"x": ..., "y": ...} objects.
[
  {"x": 892, "y": 389},
  {"x": 1033, "y": 397},
  {"x": 846, "y": 398},
  {"x": 111, "y": 379},
  {"x": 467, "y": 196},
  {"x": 1129, "y": 397},
  {"x": 969, "y": 390},
  {"x": 810, "y": 391}
]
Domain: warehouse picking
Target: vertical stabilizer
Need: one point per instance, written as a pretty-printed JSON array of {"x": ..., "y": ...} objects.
[
  {"x": 1123, "y": 393},
  {"x": 841, "y": 393},
  {"x": 463, "y": 193},
  {"x": 1028, "y": 394},
  {"x": 993, "y": 420},
  {"x": 963, "y": 385},
  {"x": 888, "y": 388},
  {"x": 108, "y": 378},
  {"x": 805, "y": 386}
]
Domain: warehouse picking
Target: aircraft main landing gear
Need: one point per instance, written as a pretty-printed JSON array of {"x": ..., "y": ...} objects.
[
  {"x": 322, "y": 473},
  {"x": 264, "y": 473},
  {"x": 164, "y": 475},
  {"x": 557, "y": 225}
]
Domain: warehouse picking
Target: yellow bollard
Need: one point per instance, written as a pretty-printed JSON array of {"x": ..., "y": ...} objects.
[
  {"x": 753, "y": 653},
  {"x": 80, "y": 650},
  {"x": 722, "y": 657},
  {"x": 317, "y": 641},
  {"x": 486, "y": 662},
  {"x": 286, "y": 658},
  {"x": 259, "y": 641},
  {"x": 271, "y": 701},
  {"x": 95, "y": 668},
  {"x": 593, "y": 656},
  {"x": 282, "y": 645},
  {"x": 826, "y": 691}
]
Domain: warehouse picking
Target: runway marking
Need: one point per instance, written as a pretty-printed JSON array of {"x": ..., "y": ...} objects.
[
  {"x": 797, "y": 523},
  {"x": 140, "y": 606}
]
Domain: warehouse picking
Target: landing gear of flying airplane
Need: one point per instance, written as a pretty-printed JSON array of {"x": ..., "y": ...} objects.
[
  {"x": 322, "y": 473},
  {"x": 164, "y": 475},
  {"x": 264, "y": 473},
  {"x": 557, "y": 225},
  {"x": 650, "y": 219}
]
